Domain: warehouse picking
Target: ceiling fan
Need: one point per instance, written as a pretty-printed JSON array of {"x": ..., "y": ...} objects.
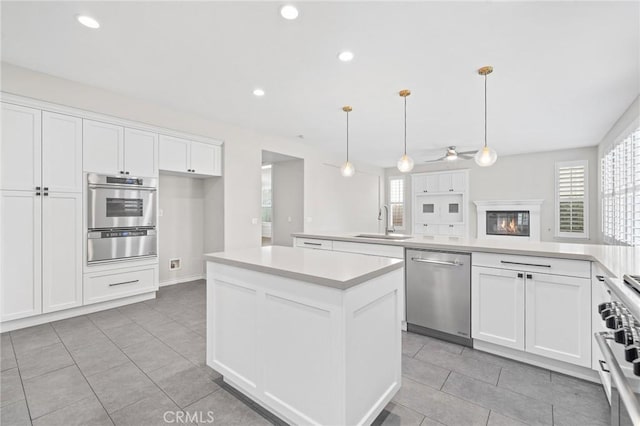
[{"x": 452, "y": 154}]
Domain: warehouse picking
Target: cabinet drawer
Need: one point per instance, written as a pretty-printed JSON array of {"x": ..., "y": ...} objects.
[
  {"x": 371, "y": 249},
  {"x": 314, "y": 244},
  {"x": 117, "y": 284},
  {"x": 573, "y": 268}
]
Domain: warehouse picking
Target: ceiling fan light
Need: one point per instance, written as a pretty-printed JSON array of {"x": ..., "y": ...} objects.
[
  {"x": 347, "y": 169},
  {"x": 451, "y": 157},
  {"x": 486, "y": 157},
  {"x": 405, "y": 164}
]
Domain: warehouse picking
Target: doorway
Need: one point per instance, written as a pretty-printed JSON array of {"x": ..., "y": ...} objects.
[{"x": 282, "y": 200}]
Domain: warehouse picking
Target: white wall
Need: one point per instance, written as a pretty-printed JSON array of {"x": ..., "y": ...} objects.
[
  {"x": 330, "y": 201},
  {"x": 521, "y": 177},
  {"x": 288, "y": 200},
  {"x": 181, "y": 225}
]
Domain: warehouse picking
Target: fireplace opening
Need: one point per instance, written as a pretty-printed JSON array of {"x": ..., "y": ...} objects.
[{"x": 515, "y": 223}]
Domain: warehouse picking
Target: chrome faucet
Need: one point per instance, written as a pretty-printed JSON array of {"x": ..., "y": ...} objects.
[{"x": 387, "y": 230}]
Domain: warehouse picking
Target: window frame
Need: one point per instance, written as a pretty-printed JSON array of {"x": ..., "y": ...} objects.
[
  {"x": 574, "y": 235},
  {"x": 404, "y": 200}
]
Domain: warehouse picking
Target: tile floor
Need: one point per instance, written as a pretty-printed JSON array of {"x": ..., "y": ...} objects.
[{"x": 129, "y": 366}]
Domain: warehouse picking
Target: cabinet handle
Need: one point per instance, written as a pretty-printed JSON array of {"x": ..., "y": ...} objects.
[
  {"x": 425, "y": 191},
  {"x": 45, "y": 194},
  {"x": 450, "y": 189},
  {"x": 520, "y": 275},
  {"x": 37, "y": 193},
  {"x": 450, "y": 226},
  {"x": 121, "y": 172},
  {"x": 46, "y": 188},
  {"x": 188, "y": 170},
  {"x": 602, "y": 363},
  {"x": 312, "y": 244},
  {"x": 193, "y": 170},
  {"x": 529, "y": 276},
  {"x": 425, "y": 224},
  {"x": 600, "y": 278},
  {"x": 37, "y": 188},
  {"x": 124, "y": 282},
  {"x": 126, "y": 173},
  {"x": 507, "y": 262}
]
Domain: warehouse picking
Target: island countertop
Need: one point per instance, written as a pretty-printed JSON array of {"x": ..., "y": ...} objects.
[
  {"x": 327, "y": 268},
  {"x": 615, "y": 260}
]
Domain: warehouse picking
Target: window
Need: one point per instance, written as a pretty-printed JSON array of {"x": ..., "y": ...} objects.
[
  {"x": 267, "y": 208},
  {"x": 572, "y": 201},
  {"x": 620, "y": 186},
  {"x": 396, "y": 201}
]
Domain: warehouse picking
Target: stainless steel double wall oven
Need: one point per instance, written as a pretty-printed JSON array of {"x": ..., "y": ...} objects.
[{"x": 121, "y": 217}]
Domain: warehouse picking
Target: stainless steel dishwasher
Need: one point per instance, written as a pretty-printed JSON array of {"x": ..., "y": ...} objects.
[{"x": 439, "y": 294}]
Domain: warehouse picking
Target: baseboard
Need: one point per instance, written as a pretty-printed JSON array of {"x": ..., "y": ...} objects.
[{"x": 183, "y": 280}]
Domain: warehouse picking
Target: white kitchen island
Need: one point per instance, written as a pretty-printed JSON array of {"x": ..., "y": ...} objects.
[{"x": 313, "y": 336}]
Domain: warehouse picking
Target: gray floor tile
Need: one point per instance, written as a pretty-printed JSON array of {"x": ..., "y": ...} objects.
[
  {"x": 168, "y": 330},
  {"x": 86, "y": 412},
  {"x": 410, "y": 344},
  {"x": 580, "y": 396},
  {"x": 15, "y": 414},
  {"x": 152, "y": 355},
  {"x": 398, "y": 415},
  {"x": 7, "y": 357},
  {"x": 565, "y": 417},
  {"x": 109, "y": 319},
  {"x": 423, "y": 372},
  {"x": 10, "y": 387},
  {"x": 468, "y": 366},
  {"x": 183, "y": 382},
  {"x": 97, "y": 358},
  {"x": 528, "y": 372},
  {"x": 127, "y": 335},
  {"x": 200, "y": 328},
  {"x": 226, "y": 410},
  {"x": 497, "y": 419},
  {"x": 43, "y": 360},
  {"x": 79, "y": 333},
  {"x": 430, "y": 422},
  {"x": 155, "y": 409},
  {"x": 27, "y": 339},
  {"x": 121, "y": 386},
  {"x": 55, "y": 390},
  {"x": 440, "y": 406},
  {"x": 213, "y": 374},
  {"x": 74, "y": 323},
  {"x": 144, "y": 315},
  {"x": 503, "y": 401}
]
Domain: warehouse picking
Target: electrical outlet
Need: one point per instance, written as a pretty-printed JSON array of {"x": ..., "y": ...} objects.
[
  {"x": 175, "y": 264},
  {"x": 254, "y": 221}
]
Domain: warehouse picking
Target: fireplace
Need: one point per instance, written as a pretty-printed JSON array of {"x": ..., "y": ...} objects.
[
  {"x": 509, "y": 219},
  {"x": 508, "y": 222}
]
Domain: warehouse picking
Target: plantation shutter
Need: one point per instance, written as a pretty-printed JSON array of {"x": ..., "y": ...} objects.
[{"x": 571, "y": 198}]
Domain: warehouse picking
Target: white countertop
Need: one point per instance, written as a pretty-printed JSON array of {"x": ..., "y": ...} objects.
[
  {"x": 323, "y": 267},
  {"x": 615, "y": 260}
]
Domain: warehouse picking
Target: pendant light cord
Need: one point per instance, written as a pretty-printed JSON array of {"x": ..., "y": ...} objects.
[
  {"x": 405, "y": 125},
  {"x": 485, "y": 110},
  {"x": 347, "y": 136}
]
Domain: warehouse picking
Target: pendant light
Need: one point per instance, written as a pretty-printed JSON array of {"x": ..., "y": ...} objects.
[
  {"x": 405, "y": 163},
  {"x": 486, "y": 156},
  {"x": 347, "y": 168}
]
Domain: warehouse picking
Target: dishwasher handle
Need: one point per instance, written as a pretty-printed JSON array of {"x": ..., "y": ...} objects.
[{"x": 437, "y": 262}]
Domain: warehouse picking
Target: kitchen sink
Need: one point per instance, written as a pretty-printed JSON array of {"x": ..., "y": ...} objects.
[{"x": 395, "y": 237}]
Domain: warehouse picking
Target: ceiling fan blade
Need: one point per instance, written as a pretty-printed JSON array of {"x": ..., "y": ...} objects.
[
  {"x": 467, "y": 152},
  {"x": 436, "y": 160},
  {"x": 465, "y": 156}
]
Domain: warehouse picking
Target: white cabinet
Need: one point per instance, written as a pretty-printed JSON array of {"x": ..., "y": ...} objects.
[
  {"x": 497, "y": 306},
  {"x": 424, "y": 183},
  {"x": 558, "y": 317},
  {"x": 185, "y": 156},
  {"x": 20, "y": 254},
  {"x": 440, "y": 203},
  {"x": 547, "y": 314},
  {"x": 313, "y": 243},
  {"x": 118, "y": 283},
  {"x": 61, "y": 152},
  {"x": 115, "y": 150},
  {"x": 599, "y": 294},
  {"x": 61, "y": 251},
  {"x": 20, "y": 150}
]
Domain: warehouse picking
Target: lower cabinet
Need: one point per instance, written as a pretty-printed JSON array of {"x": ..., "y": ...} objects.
[
  {"x": 117, "y": 283},
  {"x": 543, "y": 314}
]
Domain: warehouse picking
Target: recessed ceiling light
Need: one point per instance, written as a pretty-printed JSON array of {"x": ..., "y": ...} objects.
[
  {"x": 258, "y": 92},
  {"x": 345, "y": 56},
  {"x": 88, "y": 21},
  {"x": 289, "y": 12}
]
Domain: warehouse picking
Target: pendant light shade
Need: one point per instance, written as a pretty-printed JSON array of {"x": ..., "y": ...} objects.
[
  {"x": 486, "y": 156},
  {"x": 405, "y": 163},
  {"x": 347, "y": 169}
]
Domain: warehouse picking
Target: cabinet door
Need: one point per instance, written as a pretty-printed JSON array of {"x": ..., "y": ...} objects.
[
  {"x": 61, "y": 152},
  {"x": 426, "y": 229},
  {"x": 20, "y": 148},
  {"x": 558, "y": 320},
  {"x": 103, "y": 148},
  {"x": 205, "y": 159},
  {"x": 20, "y": 254},
  {"x": 497, "y": 306},
  {"x": 459, "y": 181},
  {"x": 444, "y": 182},
  {"x": 451, "y": 230},
  {"x": 61, "y": 251},
  {"x": 174, "y": 154},
  {"x": 140, "y": 153},
  {"x": 425, "y": 183}
]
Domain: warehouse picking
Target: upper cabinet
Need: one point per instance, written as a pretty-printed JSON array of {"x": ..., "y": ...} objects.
[
  {"x": 455, "y": 181},
  {"x": 185, "y": 156},
  {"x": 115, "y": 150},
  {"x": 21, "y": 148},
  {"x": 61, "y": 152}
]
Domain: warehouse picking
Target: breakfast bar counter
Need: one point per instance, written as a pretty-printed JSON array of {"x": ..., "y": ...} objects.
[{"x": 313, "y": 336}]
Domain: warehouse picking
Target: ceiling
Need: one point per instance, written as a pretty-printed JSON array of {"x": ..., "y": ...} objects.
[{"x": 564, "y": 71}]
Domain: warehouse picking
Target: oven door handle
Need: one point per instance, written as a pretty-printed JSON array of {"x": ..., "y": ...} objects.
[
  {"x": 130, "y": 187},
  {"x": 617, "y": 377}
]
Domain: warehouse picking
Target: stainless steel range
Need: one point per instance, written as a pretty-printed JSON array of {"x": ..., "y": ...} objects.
[
  {"x": 121, "y": 218},
  {"x": 620, "y": 347}
]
